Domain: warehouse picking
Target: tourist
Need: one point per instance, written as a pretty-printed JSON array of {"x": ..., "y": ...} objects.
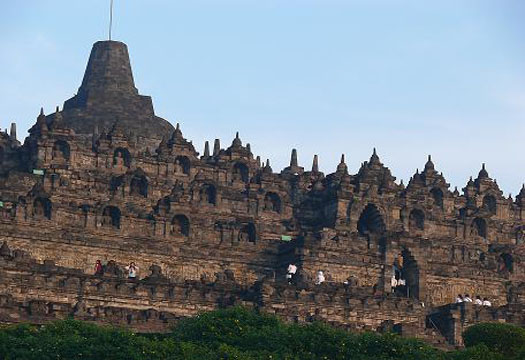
[
  {"x": 393, "y": 283},
  {"x": 132, "y": 270},
  {"x": 320, "y": 278},
  {"x": 290, "y": 275},
  {"x": 467, "y": 298},
  {"x": 98, "y": 268},
  {"x": 459, "y": 299},
  {"x": 486, "y": 302},
  {"x": 478, "y": 301}
]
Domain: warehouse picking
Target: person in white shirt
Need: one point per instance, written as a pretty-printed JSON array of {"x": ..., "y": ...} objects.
[
  {"x": 320, "y": 278},
  {"x": 478, "y": 301},
  {"x": 132, "y": 270},
  {"x": 291, "y": 271},
  {"x": 459, "y": 299},
  {"x": 467, "y": 298},
  {"x": 486, "y": 302},
  {"x": 393, "y": 283}
]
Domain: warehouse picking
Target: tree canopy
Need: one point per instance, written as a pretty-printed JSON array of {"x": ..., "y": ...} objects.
[{"x": 243, "y": 334}]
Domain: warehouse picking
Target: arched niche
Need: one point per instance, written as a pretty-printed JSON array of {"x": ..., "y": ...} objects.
[
  {"x": 506, "y": 263},
  {"x": 490, "y": 204},
  {"x": 182, "y": 165},
  {"x": 272, "y": 202},
  {"x": 111, "y": 217},
  {"x": 42, "y": 208},
  {"x": 520, "y": 235},
  {"x": 138, "y": 186},
  {"x": 180, "y": 226},
  {"x": 208, "y": 194},
  {"x": 247, "y": 233},
  {"x": 61, "y": 151},
  {"x": 416, "y": 220},
  {"x": 479, "y": 228},
  {"x": 1, "y": 155},
  {"x": 121, "y": 157},
  {"x": 371, "y": 221},
  {"x": 405, "y": 275},
  {"x": 240, "y": 172},
  {"x": 437, "y": 196}
]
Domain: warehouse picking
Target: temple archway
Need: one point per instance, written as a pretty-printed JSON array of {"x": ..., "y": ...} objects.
[
  {"x": 479, "y": 228},
  {"x": 490, "y": 204},
  {"x": 247, "y": 233},
  {"x": 272, "y": 202},
  {"x": 121, "y": 157},
  {"x": 42, "y": 208},
  {"x": 506, "y": 263},
  {"x": 371, "y": 221},
  {"x": 182, "y": 165},
  {"x": 111, "y": 217},
  {"x": 208, "y": 194},
  {"x": 60, "y": 151},
  {"x": 240, "y": 172},
  {"x": 180, "y": 226},
  {"x": 437, "y": 195},
  {"x": 416, "y": 220},
  {"x": 139, "y": 186},
  {"x": 405, "y": 275}
]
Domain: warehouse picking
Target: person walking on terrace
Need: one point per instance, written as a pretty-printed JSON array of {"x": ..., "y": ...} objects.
[{"x": 291, "y": 271}]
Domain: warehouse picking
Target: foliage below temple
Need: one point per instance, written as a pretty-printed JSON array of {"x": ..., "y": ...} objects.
[{"x": 238, "y": 333}]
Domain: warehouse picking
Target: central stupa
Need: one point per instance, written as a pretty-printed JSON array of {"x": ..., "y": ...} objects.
[{"x": 108, "y": 96}]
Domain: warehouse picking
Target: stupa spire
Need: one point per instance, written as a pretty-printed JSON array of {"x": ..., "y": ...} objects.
[{"x": 293, "y": 159}]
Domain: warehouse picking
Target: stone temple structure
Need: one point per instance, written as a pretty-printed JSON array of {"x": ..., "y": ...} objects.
[{"x": 105, "y": 178}]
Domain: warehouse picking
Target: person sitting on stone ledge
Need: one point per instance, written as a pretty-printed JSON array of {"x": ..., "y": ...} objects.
[
  {"x": 467, "y": 298},
  {"x": 478, "y": 301},
  {"x": 459, "y": 299},
  {"x": 132, "y": 270},
  {"x": 486, "y": 302},
  {"x": 99, "y": 271},
  {"x": 291, "y": 271},
  {"x": 320, "y": 278}
]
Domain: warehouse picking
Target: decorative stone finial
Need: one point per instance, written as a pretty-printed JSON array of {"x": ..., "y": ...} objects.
[
  {"x": 315, "y": 164},
  {"x": 429, "y": 166},
  {"x": 57, "y": 118},
  {"x": 342, "y": 166},
  {"x": 483, "y": 174},
  {"x": 206, "y": 149},
  {"x": 237, "y": 141},
  {"x": 216, "y": 147},
  {"x": 12, "y": 133},
  {"x": 374, "y": 159},
  {"x": 267, "y": 167},
  {"x": 293, "y": 159}
]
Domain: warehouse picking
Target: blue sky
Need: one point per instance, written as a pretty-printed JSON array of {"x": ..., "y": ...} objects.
[{"x": 327, "y": 77}]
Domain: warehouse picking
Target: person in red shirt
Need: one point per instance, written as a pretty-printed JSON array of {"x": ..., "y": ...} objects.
[{"x": 98, "y": 268}]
